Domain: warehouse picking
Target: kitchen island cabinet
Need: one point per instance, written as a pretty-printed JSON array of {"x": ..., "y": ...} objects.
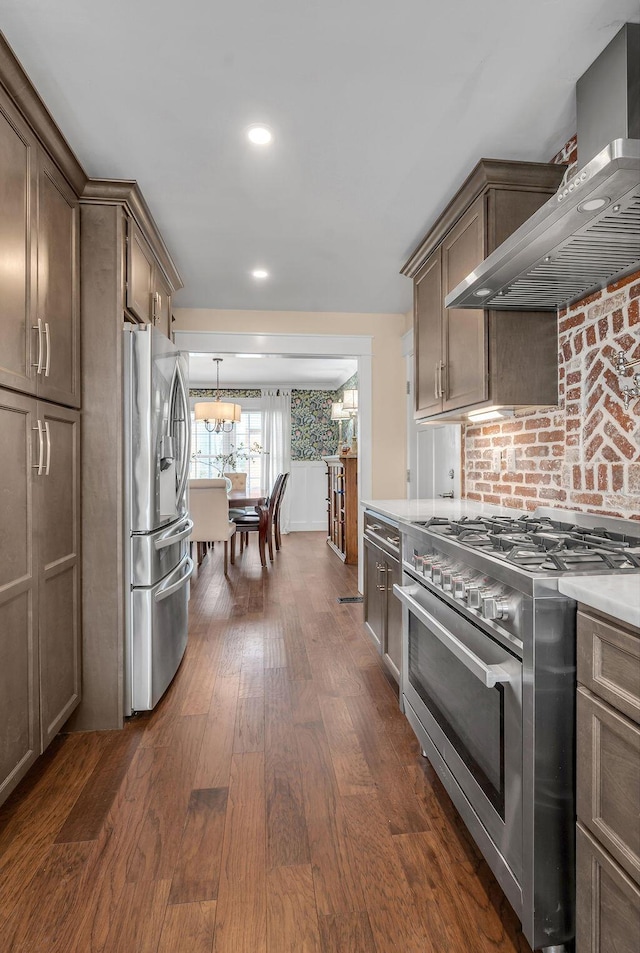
[
  {"x": 469, "y": 359},
  {"x": 608, "y": 784}
]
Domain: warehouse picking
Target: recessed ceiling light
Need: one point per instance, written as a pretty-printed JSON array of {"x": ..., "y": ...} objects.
[
  {"x": 260, "y": 273},
  {"x": 260, "y": 135}
]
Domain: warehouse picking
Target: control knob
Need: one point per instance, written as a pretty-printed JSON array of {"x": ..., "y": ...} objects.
[
  {"x": 447, "y": 581},
  {"x": 436, "y": 573},
  {"x": 494, "y": 608},
  {"x": 459, "y": 587},
  {"x": 474, "y": 596}
]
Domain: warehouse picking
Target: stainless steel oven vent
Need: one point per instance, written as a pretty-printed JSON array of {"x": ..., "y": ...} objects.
[{"x": 588, "y": 234}]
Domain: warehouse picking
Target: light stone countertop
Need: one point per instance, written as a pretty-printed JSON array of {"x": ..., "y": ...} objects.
[
  {"x": 411, "y": 510},
  {"x": 617, "y": 596}
]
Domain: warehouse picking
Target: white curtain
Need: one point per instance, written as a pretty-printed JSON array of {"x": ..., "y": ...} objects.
[{"x": 276, "y": 437}]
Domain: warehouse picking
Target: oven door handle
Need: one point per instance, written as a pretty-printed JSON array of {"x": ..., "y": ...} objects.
[{"x": 489, "y": 675}]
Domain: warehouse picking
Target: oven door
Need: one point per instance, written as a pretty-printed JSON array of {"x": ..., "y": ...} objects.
[{"x": 463, "y": 696}]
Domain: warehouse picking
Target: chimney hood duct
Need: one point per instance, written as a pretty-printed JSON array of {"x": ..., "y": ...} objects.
[{"x": 588, "y": 233}]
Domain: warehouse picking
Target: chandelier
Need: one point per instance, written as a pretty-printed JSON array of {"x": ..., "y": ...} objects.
[{"x": 219, "y": 416}]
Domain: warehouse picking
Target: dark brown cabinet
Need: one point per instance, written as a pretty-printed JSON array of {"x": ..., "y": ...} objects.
[
  {"x": 469, "y": 359},
  {"x": 122, "y": 256},
  {"x": 40, "y": 389},
  {"x": 39, "y": 315},
  {"x": 39, "y": 578},
  {"x": 608, "y": 785},
  {"x": 382, "y": 610},
  {"x": 148, "y": 296},
  {"x": 342, "y": 507}
]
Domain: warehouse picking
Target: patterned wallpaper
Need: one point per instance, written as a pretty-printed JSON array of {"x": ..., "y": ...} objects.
[{"x": 313, "y": 433}]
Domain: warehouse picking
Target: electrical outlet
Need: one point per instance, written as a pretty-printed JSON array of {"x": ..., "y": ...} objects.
[
  {"x": 511, "y": 458},
  {"x": 497, "y": 458}
]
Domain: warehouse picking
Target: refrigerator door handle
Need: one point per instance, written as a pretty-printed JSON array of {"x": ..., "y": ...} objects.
[
  {"x": 168, "y": 588},
  {"x": 186, "y": 443},
  {"x": 181, "y": 531}
]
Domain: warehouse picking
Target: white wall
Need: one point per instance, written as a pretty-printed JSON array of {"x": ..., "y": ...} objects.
[{"x": 307, "y": 492}]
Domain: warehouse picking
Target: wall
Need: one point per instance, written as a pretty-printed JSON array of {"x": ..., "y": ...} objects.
[
  {"x": 388, "y": 389},
  {"x": 583, "y": 454}
]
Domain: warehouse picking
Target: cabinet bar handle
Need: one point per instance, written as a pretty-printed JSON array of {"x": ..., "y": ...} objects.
[
  {"x": 38, "y": 364},
  {"x": 47, "y": 433},
  {"x": 443, "y": 379},
  {"x": 48, "y": 342},
  {"x": 39, "y": 465},
  {"x": 435, "y": 377}
]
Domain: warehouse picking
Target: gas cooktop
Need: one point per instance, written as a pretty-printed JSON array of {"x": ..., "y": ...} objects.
[{"x": 535, "y": 544}]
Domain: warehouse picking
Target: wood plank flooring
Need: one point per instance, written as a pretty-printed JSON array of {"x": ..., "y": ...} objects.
[{"x": 274, "y": 802}]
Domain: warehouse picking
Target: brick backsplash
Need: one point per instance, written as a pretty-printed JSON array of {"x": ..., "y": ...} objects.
[{"x": 585, "y": 453}]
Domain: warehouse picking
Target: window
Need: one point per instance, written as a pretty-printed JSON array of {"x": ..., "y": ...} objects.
[{"x": 208, "y": 448}]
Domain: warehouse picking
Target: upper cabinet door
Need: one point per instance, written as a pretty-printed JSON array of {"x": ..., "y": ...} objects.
[
  {"x": 140, "y": 268},
  {"x": 465, "y": 332},
  {"x": 427, "y": 345},
  {"x": 161, "y": 303},
  {"x": 58, "y": 316},
  {"x": 17, "y": 258}
]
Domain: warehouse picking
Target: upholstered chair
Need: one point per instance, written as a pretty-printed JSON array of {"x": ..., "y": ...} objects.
[
  {"x": 238, "y": 480},
  {"x": 209, "y": 510}
]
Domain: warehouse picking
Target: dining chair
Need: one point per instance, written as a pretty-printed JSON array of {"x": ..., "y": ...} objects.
[
  {"x": 238, "y": 480},
  {"x": 252, "y": 521},
  {"x": 276, "y": 512},
  {"x": 209, "y": 510}
]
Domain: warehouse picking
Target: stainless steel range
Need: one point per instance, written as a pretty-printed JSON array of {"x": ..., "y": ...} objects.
[{"x": 488, "y": 685}]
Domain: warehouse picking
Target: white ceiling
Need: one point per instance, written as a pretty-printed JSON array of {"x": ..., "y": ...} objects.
[
  {"x": 379, "y": 109},
  {"x": 303, "y": 373}
]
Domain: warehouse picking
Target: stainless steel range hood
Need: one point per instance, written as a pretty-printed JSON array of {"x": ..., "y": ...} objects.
[{"x": 588, "y": 234}]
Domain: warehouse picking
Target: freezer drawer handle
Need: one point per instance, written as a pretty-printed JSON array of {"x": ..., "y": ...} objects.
[
  {"x": 168, "y": 539},
  {"x": 170, "y": 587},
  {"x": 489, "y": 675}
]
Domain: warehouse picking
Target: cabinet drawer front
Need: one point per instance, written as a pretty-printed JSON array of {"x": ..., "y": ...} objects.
[
  {"x": 608, "y": 779},
  {"x": 609, "y": 663},
  {"x": 608, "y": 903}
]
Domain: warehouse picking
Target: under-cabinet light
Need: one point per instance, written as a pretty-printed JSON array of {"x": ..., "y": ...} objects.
[{"x": 491, "y": 413}]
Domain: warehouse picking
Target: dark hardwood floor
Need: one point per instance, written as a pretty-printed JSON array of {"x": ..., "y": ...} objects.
[{"x": 274, "y": 802}]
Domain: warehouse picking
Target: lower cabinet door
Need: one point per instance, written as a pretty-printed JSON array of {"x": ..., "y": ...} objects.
[
  {"x": 58, "y": 529},
  {"x": 19, "y": 715},
  {"x": 608, "y": 902},
  {"x": 393, "y": 628},
  {"x": 374, "y": 592}
]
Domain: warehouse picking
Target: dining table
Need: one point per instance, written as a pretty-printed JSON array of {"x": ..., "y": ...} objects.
[{"x": 239, "y": 499}]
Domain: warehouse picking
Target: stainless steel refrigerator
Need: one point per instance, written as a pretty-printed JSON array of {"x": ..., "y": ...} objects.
[{"x": 156, "y": 466}]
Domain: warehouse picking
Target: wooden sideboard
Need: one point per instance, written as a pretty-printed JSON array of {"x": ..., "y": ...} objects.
[{"x": 342, "y": 507}]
